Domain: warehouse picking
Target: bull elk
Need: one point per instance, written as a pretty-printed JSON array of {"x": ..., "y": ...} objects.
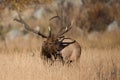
[{"x": 56, "y": 45}]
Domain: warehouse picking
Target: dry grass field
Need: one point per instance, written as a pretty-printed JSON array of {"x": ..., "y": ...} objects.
[
  {"x": 20, "y": 60},
  {"x": 100, "y": 56}
]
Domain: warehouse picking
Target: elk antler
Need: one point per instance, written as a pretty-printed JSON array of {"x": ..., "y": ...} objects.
[
  {"x": 49, "y": 28},
  {"x": 61, "y": 41},
  {"x": 20, "y": 20},
  {"x": 66, "y": 30},
  {"x": 55, "y": 17}
]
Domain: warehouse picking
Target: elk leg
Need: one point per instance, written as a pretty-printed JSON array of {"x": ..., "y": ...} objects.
[
  {"x": 52, "y": 61},
  {"x": 60, "y": 57},
  {"x": 69, "y": 62},
  {"x": 54, "y": 55}
]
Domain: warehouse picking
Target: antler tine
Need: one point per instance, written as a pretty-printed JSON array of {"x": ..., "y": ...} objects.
[
  {"x": 66, "y": 30},
  {"x": 49, "y": 28},
  {"x": 27, "y": 27},
  {"x": 55, "y": 17},
  {"x": 67, "y": 43}
]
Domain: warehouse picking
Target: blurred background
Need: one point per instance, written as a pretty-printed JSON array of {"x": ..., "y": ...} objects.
[{"x": 96, "y": 23}]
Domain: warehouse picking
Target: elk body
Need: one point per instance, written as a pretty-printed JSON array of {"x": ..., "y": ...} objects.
[
  {"x": 72, "y": 52},
  {"x": 56, "y": 45}
]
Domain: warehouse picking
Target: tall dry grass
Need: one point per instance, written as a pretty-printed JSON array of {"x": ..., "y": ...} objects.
[{"x": 20, "y": 60}]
